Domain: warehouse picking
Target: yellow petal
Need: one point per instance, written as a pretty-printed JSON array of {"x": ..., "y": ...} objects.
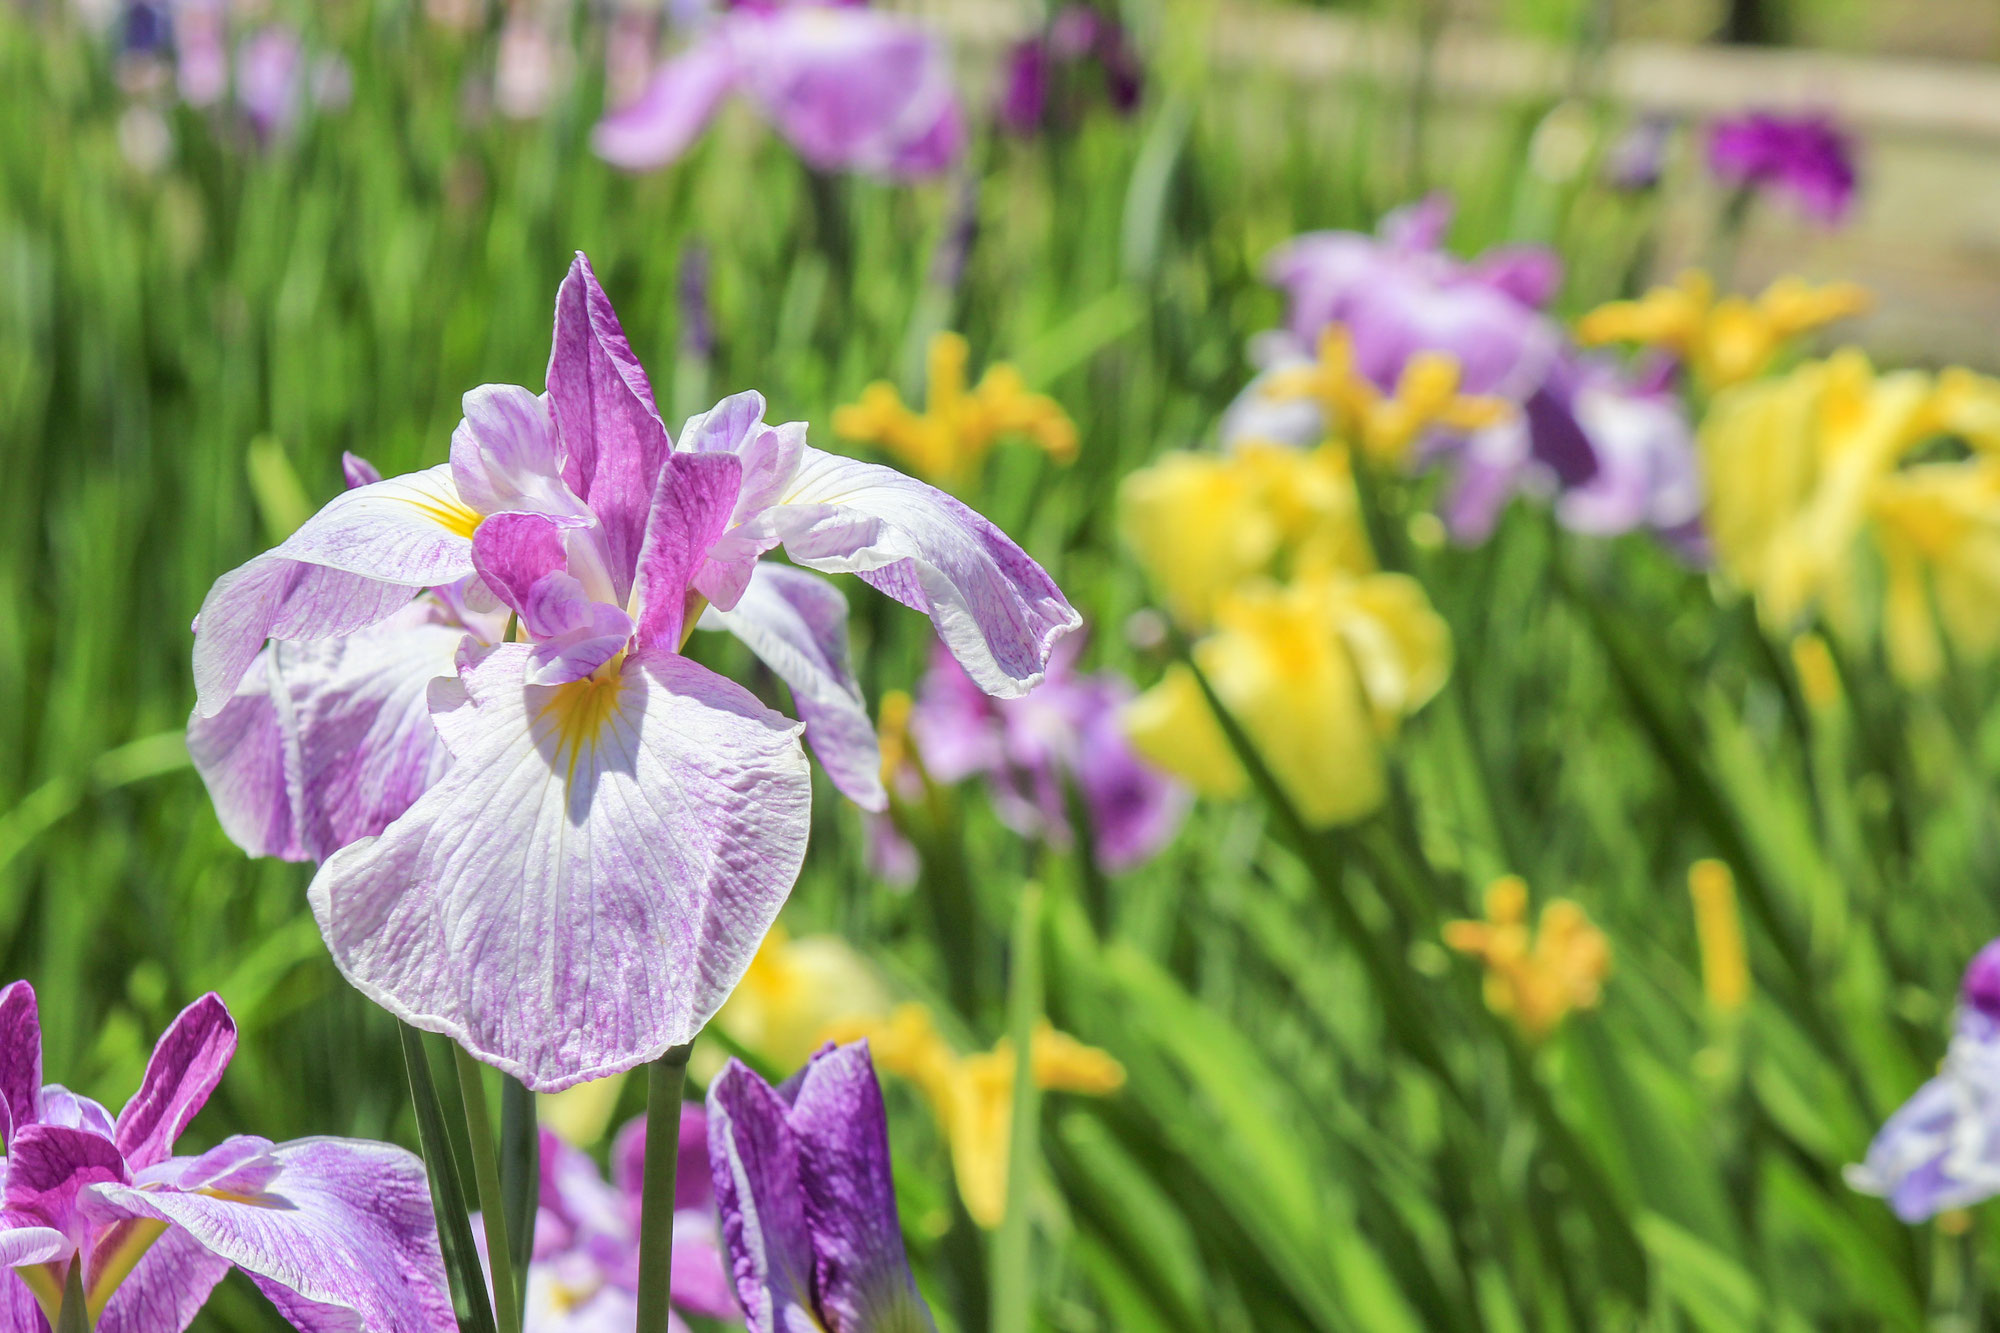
[{"x": 1172, "y": 728}]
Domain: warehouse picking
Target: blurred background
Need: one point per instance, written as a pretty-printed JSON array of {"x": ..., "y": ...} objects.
[{"x": 239, "y": 237}]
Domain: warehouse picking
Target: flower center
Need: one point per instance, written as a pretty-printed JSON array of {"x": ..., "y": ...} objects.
[{"x": 580, "y": 709}]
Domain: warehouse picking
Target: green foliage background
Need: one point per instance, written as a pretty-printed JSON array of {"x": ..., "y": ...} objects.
[{"x": 1324, "y": 1128}]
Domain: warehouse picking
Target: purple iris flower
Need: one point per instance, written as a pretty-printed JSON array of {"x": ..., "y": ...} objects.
[
  {"x": 851, "y": 88},
  {"x": 562, "y": 850},
  {"x": 583, "y": 1273},
  {"x": 1616, "y": 452},
  {"x": 1031, "y": 749},
  {"x": 808, "y": 1203},
  {"x": 1079, "y": 42},
  {"x": 1808, "y": 157},
  {"x": 1942, "y": 1148},
  {"x": 337, "y": 1232}
]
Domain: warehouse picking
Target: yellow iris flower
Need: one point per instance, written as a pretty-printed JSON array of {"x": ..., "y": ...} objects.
[
  {"x": 1202, "y": 524},
  {"x": 1808, "y": 474},
  {"x": 973, "y": 1095},
  {"x": 796, "y": 992},
  {"x": 1385, "y": 425},
  {"x": 957, "y": 427},
  {"x": 1535, "y": 978},
  {"x": 1319, "y": 675},
  {"x": 1724, "y": 341}
]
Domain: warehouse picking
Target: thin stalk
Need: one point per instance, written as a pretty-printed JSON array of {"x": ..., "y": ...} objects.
[
  {"x": 520, "y": 1174},
  {"x": 475, "y": 1310},
  {"x": 492, "y": 1203},
  {"x": 665, "y": 1078},
  {"x": 1012, "y": 1292}
]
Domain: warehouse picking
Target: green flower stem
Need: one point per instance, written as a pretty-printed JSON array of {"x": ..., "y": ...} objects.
[
  {"x": 520, "y": 1175},
  {"x": 665, "y": 1078},
  {"x": 475, "y": 1309},
  {"x": 1012, "y": 1292},
  {"x": 492, "y": 1205}
]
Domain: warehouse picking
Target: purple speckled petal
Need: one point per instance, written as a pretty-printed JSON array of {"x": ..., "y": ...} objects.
[
  {"x": 677, "y": 104},
  {"x": 613, "y": 441},
  {"x": 355, "y": 562},
  {"x": 19, "y": 1311},
  {"x": 187, "y": 1063},
  {"x": 514, "y": 552},
  {"x": 48, "y": 1166},
  {"x": 166, "y": 1289},
  {"x": 697, "y": 494},
  {"x": 342, "y": 1239},
  {"x": 996, "y": 609},
  {"x": 240, "y": 753},
  {"x": 796, "y": 623},
  {"x": 589, "y": 880},
  {"x": 363, "y": 745},
  {"x": 755, "y": 1163},
  {"x": 861, "y": 1274},
  {"x": 583, "y": 634},
  {"x": 20, "y": 1059},
  {"x": 357, "y": 471},
  {"x": 21, "y": 1246},
  {"x": 62, "y": 1107}
]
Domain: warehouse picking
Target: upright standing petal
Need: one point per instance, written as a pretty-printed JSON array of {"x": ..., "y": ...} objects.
[
  {"x": 340, "y": 1236},
  {"x": 20, "y": 1059},
  {"x": 696, "y": 495},
  {"x": 796, "y": 623},
  {"x": 756, "y": 1166},
  {"x": 996, "y": 609},
  {"x": 613, "y": 440},
  {"x": 48, "y": 1168},
  {"x": 355, "y": 562},
  {"x": 186, "y": 1065},
  {"x": 861, "y": 1274},
  {"x": 654, "y": 822}
]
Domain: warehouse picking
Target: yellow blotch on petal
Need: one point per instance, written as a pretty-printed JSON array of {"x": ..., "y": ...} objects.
[
  {"x": 946, "y": 441},
  {"x": 973, "y": 1095},
  {"x": 1724, "y": 341},
  {"x": 1725, "y": 966},
  {"x": 579, "y": 711},
  {"x": 1537, "y": 978}
]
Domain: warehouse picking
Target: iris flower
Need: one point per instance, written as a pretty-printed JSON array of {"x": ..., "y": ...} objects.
[
  {"x": 1049, "y": 76},
  {"x": 604, "y": 829},
  {"x": 1032, "y": 750},
  {"x": 1809, "y": 474},
  {"x": 1942, "y": 1148},
  {"x": 973, "y": 1095},
  {"x": 1535, "y": 978},
  {"x": 851, "y": 88},
  {"x": 338, "y": 1233},
  {"x": 1319, "y": 674},
  {"x": 1726, "y": 340},
  {"x": 949, "y": 438},
  {"x": 802, "y": 1177},
  {"x": 583, "y": 1272},
  {"x": 1807, "y": 157},
  {"x": 796, "y": 990}
]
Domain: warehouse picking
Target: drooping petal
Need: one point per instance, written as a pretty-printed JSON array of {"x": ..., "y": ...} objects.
[
  {"x": 21, "y": 1246},
  {"x": 697, "y": 494},
  {"x": 20, "y": 1059},
  {"x": 996, "y": 609},
  {"x": 657, "y": 127},
  {"x": 166, "y": 1289},
  {"x": 861, "y": 1274},
  {"x": 342, "y": 1239},
  {"x": 589, "y": 880},
  {"x": 240, "y": 753},
  {"x": 19, "y": 1312},
  {"x": 354, "y": 563},
  {"x": 796, "y": 623},
  {"x": 364, "y": 747},
  {"x": 187, "y": 1063},
  {"x": 1135, "y": 809},
  {"x": 613, "y": 440},
  {"x": 754, "y": 1159}
]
